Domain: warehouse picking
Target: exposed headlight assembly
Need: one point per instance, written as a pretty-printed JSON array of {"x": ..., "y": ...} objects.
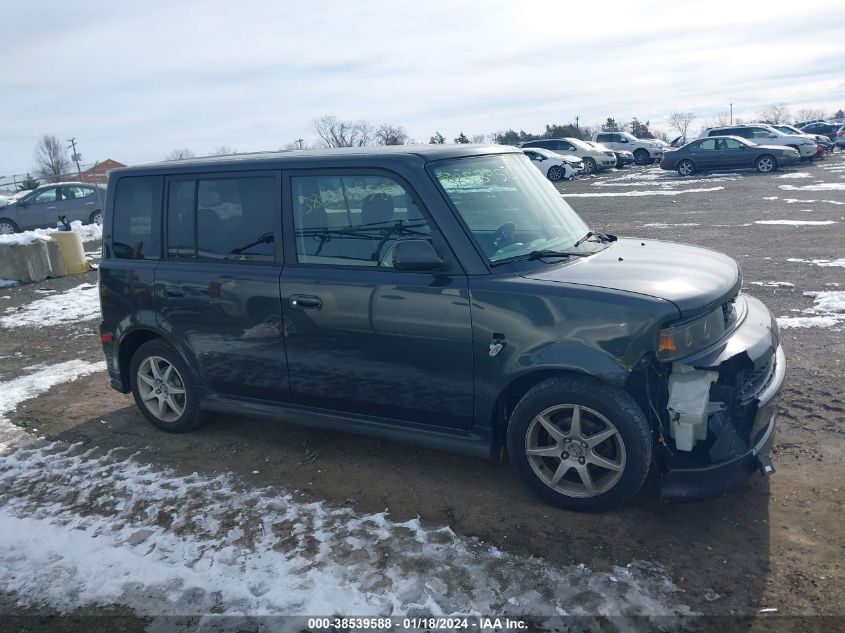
[{"x": 687, "y": 337}]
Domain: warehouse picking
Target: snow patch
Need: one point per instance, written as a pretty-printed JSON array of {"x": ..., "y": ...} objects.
[
  {"x": 663, "y": 225},
  {"x": 658, "y": 192},
  {"x": 823, "y": 186},
  {"x": 770, "y": 198},
  {"x": 828, "y": 311},
  {"x": 81, "y": 303},
  {"x": 84, "y": 528},
  {"x": 797, "y": 222},
  {"x": 820, "y": 262},
  {"x": 796, "y": 174},
  {"x": 773, "y": 284}
]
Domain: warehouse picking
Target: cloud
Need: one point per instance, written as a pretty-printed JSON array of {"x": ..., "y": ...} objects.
[{"x": 132, "y": 81}]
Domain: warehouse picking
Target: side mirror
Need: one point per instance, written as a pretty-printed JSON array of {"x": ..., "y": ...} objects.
[
  {"x": 415, "y": 255},
  {"x": 622, "y": 140}
]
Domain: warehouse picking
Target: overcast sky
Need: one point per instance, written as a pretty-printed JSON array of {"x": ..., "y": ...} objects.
[{"x": 133, "y": 80}]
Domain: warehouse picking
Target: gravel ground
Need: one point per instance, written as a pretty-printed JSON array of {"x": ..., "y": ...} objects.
[{"x": 771, "y": 544}]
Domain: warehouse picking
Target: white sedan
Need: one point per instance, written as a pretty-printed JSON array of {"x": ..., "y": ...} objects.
[{"x": 553, "y": 166}]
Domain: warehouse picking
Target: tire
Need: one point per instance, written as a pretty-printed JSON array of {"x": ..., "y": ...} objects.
[
  {"x": 7, "y": 227},
  {"x": 589, "y": 165},
  {"x": 558, "y": 474},
  {"x": 179, "y": 412},
  {"x": 686, "y": 168},
  {"x": 642, "y": 157},
  {"x": 555, "y": 173},
  {"x": 766, "y": 164},
  {"x": 96, "y": 218}
]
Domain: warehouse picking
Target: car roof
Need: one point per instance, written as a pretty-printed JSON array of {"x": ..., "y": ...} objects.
[
  {"x": 340, "y": 156},
  {"x": 68, "y": 183}
]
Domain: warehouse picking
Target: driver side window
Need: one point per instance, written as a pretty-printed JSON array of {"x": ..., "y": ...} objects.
[
  {"x": 43, "y": 197},
  {"x": 353, "y": 220}
]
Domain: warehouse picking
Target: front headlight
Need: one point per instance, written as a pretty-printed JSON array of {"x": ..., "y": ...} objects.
[{"x": 685, "y": 338}]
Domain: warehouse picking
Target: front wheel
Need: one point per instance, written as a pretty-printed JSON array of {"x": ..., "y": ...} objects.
[
  {"x": 581, "y": 444},
  {"x": 686, "y": 168},
  {"x": 765, "y": 164},
  {"x": 163, "y": 388},
  {"x": 642, "y": 157},
  {"x": 589, "y": 165},
  {"x": 555, "y": 173}
]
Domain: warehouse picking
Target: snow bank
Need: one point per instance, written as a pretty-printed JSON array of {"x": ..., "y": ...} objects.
[
  {"x": 828, "y": 311},
  {"x": 81, "y": 303},
  {"x": 88, "y": 232},
  {"x": 797, "y": 222}
]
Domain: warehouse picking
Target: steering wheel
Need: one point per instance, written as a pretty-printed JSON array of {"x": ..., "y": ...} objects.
[{"x": 504, "y": 235}]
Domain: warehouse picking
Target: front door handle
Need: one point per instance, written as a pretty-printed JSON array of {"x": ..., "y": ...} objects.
[{"x": 306, "y": 302}]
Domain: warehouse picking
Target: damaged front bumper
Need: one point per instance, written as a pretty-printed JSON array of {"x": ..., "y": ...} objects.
[{"x": 751, "y": 367}]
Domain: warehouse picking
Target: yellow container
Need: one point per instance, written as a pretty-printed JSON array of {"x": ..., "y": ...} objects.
[{"x": 72, "y": 251}]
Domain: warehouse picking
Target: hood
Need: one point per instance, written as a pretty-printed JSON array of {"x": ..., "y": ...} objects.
[
  {"x": 694, "y": 279},
  {"x": 774, "y": 148}
]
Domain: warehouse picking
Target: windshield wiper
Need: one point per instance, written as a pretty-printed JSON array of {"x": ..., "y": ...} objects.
[
  {"x": 545, "y": 253},
  {"x": 602, "y": 238}
]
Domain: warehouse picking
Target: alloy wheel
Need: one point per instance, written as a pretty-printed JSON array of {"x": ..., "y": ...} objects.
[
  {"x": 161, "y": 389},
  {"x": 686, "y": 168},
  {"x": 575, "y": 450},
  {"x": 555, "y": 173},
  {"x": 765, "y": 164},
  {"x": 6, "y": 228}
]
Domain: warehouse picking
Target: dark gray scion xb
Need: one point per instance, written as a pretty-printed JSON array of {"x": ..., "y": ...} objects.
[{"x": 441, "y": 295}]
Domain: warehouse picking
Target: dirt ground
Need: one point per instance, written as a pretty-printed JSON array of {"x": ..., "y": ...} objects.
[{"x": 772, "y": 543}]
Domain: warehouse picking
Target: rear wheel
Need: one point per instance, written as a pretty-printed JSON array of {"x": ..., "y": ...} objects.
[
  {"x": 641, "y": 157},
  {"x": 765, "y": 164},
  {"x": 686, "y": 168},
  {"x": 163, "y": 388},
  {"x": 555, "y": 173},
  {"x": 589, "y": 165},
  {"x": 580, "y": 443},
  {"x": 7, "y": 227}
]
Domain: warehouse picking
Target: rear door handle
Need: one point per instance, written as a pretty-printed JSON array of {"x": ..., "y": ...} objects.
[{"x": 306, "y": 302}]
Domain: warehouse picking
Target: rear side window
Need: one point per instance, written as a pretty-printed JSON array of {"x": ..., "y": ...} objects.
[
  {"x": 604, "y": 138},
  {"x": 709, "y": 144},
  {"x": 222, "y": 218},
  {"x": 137, "y": 217}
]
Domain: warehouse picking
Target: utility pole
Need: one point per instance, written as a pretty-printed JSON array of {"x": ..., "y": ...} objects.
[
  {"x": 299, "y": 142},
  {"x": 75, "y": 156},
  {"x": 732, "y": 112},
  {"x": 577, "y": 119}
]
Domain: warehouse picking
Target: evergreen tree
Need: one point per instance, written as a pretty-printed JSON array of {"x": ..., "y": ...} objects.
[
  {"x": 640, "y": 129},
  {"x": 437, "y": 139},
  {"x": 610, "y": 125},
  {"x": 29, "y": 183},
  {"x": 461, "y": 138}
]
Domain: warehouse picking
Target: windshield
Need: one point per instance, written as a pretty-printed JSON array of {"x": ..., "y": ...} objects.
[
  {"x": 511, "y": 209},
  {"x": 630, "y": 137}
]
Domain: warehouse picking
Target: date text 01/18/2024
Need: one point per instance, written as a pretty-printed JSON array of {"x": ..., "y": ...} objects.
[{"x": 419, "y": 623}]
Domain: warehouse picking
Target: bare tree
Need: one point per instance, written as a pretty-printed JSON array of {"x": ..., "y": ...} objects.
[
  {"x": 180, "y": 154},
  {"x": 808, "y": 114},
  {"x": 681, "y": 122},
  {"x": 387, "y": 134},
  {"x": 224, "y": 150},
  {"x": 51, "y": 159},
  {"x": 775, "y": 113},
  {"x": 336, "y": 133},
  {"x": 720, "y": 120}
]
